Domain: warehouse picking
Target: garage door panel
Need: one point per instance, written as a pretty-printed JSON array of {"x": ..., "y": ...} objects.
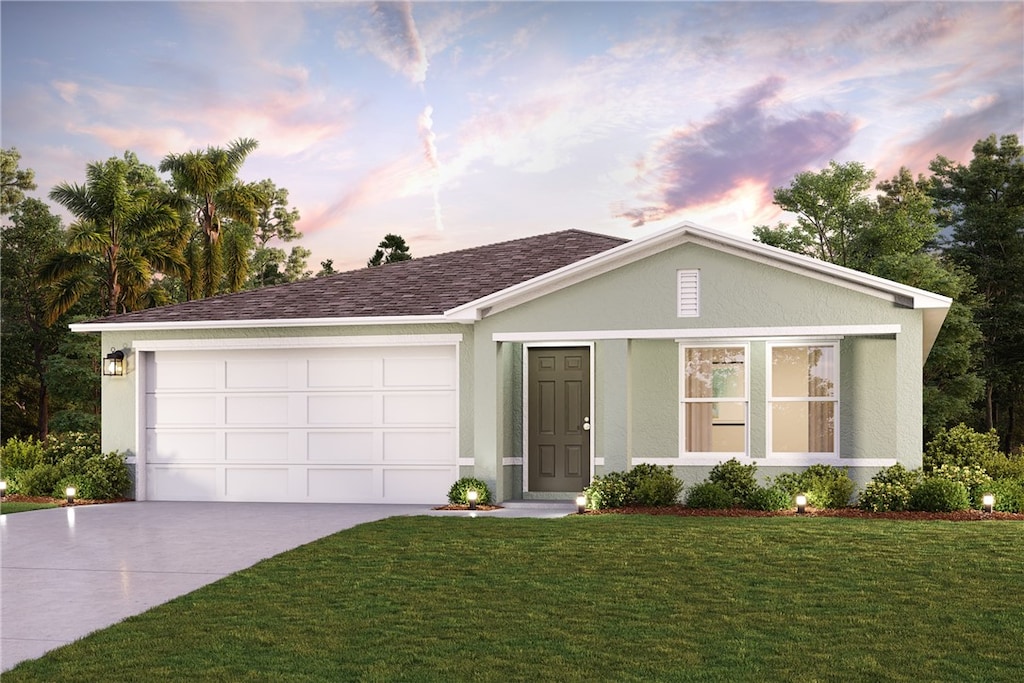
[
  {"x": 256, "y": 446},
  {"x": 181, "y": 446},
  {"x": 418, "y": 372},
  {"x": 419, "y": 447},
  {"x": 262, "y": 374},
  {"x": 256, "y": 410},
  {"x": 341, "y": 373},
  {"x": 327, "y": 425},
  {"x": 419, "y": 409},
  {"x": 340, "y": 447},
  {"x": 416, "y": 485},
  {"x": 341, "y": 485},
  {"x": 253, "y": 483},
  {"x": 184, "y": 483},
  {"x": 348, "y": 410},
  {"x": 181, "y": 409}
]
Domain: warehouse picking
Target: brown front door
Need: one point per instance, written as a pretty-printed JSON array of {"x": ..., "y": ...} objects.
[{"x": 559, "y": 419}]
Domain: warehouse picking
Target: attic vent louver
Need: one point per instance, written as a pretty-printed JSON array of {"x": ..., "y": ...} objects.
[{"x": 689, "y": 293}]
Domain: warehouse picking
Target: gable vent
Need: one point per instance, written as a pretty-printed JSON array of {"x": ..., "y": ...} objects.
[{"x": 689, "y": 293}]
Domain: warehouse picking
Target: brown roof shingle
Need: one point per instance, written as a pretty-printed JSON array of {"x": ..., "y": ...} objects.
[{"x": 429, "y": 285}]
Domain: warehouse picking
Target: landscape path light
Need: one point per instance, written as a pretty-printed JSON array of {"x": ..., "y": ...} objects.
[
  {"x": 3, "y": 489},
  {"x": 471, "y": 496},
  {"x": 581, "y": 504},
  {"x": 801, "y": 504},
  {"x": 988, "y": 501},
  {"x": 70, "y": 493}
]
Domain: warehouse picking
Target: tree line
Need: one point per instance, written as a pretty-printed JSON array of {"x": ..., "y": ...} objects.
[{"x": 959, "y": 233}]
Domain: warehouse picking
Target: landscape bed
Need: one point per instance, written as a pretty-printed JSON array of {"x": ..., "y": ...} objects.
[{"x": 591, "y": 597}]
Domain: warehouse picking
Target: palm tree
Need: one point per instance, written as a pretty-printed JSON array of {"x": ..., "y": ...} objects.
[
  {"x": 124, "y": 234},
  {"x": 221, "y": 210}
]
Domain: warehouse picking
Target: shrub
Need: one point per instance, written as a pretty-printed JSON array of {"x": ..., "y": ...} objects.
[
  {"x": 935, "y": 494},
  {"x": 1004, "y": 466},
  {"x": 608, "y": 491},
  {"x": 961, "y": 446},
  {"x": 769, "y": 498},
  {"x": 651, "y": 485},
  {"x": 457, "y": 493},
  {"x": 17, "y": 455},
  {"x": 39, "y": 480},
  {"x": 709, "y": 495},
  {"x": 1009, "y": 494},
  {"x": 738, "y": 479},
  {"x": 974, "y": 479},
  {"x": 824, "y": 485},
  {"x": 101, "y": 477},
  {"x": 889, "y": 490},
  {"x": 80, "y": 445}
]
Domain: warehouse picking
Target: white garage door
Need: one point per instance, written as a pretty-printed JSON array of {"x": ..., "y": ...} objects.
[{"x": 365, "y": 425}]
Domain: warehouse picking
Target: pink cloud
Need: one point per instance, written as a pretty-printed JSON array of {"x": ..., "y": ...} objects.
[{"x": 397, "y": 42}]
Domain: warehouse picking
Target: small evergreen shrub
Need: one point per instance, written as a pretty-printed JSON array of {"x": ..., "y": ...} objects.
[
  {"x": 608, "y": 491},
  {"x": 79, "y": 445},
  {"x": 738, "y": 479},
  {"x": 769, "y": 498},
  {"x": 17, "y": 455},
  {"x": 39, "y": 480},
  {"x": 457, "y": 493},
  {"x": 101, "y": 477},
  {"x": 709, "y": 495},
  {"x": 961, "y": 446},
  {"x": 1009, "y": 494},
  {"x": 1004, "y": 466},
  {"x": 824, "y": 485},
  {"x": 975, "y": 479},
  {"x": 652, "y": 485},
  {"x": 935, "y": 494},
  {"x": 889, "y": 490}
]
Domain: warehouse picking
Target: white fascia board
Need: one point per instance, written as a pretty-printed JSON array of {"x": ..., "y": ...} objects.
[
  {"x": 257, "y": 324},
  {"x": 629, "y": 252},
  {"x": 716, "y": 333},
  {"x": 242, "y": 343}
]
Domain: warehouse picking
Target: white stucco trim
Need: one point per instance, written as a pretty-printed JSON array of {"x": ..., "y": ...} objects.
[
  {"x": 294, "y": 342},
  {"x": 713, "y": 459},
  {"x": 100, "y": 326},
  {"x": 708, "y": 333}
]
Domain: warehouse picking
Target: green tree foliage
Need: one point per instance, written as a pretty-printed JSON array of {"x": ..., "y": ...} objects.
[
  {"x": 391, "y": 249},
  {"x": 326, "y": 268},
  {"x": 982, "y": 206},
  {"x": 272, "y": 265},
  {"x": 221, "y": 213},
  {"x": 890, "y": 236},
  {"x": 13, "y": 180},
  {"x": 120, "y": 240}
]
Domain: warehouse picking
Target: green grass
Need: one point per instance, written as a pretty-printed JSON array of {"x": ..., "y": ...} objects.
[
  {"x": 10, "y": 507},
  {"x": 591, "y": 598}
]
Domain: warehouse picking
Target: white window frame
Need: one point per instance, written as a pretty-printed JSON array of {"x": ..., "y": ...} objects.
[
  {"x": 703, "y": 457},
  {"x": 810, "y": 457}
]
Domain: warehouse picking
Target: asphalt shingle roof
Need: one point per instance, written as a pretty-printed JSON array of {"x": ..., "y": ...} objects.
[{"x": 429, "y": 285}]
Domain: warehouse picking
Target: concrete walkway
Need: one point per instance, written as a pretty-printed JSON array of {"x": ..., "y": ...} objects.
[{"x": 66, "y": 572}]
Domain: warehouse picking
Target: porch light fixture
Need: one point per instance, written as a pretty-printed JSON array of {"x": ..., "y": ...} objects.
[
  {"x": 3, "y": 489},
  {"x": 471, "y": 496},
  {"x": 113, "y": 364},
  {"x": 70, "y": 493},
  {"x": 581, "y": 504},
  {"x": 801, "y": 504},
  {"x": 988, "y": 501}
]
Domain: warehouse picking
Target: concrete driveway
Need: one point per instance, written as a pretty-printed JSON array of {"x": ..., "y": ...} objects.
[{"x": 66, "y": 572}]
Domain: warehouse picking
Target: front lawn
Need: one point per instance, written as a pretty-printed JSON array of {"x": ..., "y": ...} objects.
[
  {"x": 591, "y": 598},
  {"x": 11, "y": 506}
]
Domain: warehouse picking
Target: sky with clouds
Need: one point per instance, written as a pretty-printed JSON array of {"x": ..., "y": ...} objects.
[{"x": 456, "y": 124}]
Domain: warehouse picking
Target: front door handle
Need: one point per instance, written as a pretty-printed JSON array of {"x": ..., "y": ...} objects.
[{"x": 586, "y": 424}]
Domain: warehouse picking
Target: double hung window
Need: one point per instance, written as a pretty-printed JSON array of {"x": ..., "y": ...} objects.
[
  {"x": 803, "y": 396},
  {"x": 714, "y": 399}
]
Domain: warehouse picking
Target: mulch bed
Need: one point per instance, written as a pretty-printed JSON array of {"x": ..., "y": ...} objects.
[{"x": 681, "y": 511}]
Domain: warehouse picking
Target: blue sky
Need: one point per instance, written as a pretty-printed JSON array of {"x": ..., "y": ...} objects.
[{"x": 456, "y": 124}]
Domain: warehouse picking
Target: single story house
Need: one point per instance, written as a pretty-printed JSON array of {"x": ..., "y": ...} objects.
[{"x": 532, "y": 364}]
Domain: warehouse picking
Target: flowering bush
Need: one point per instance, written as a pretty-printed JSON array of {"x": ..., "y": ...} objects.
[
  {"x": 889, "y": 490},
  {"x": 974, "y": 478}
]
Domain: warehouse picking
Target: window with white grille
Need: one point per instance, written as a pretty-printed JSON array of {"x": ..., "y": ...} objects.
[{"x": 689, "y": 293}]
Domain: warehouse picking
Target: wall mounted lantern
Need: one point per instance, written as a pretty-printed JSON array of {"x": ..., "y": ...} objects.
[{"x": 113, "y": 364}]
